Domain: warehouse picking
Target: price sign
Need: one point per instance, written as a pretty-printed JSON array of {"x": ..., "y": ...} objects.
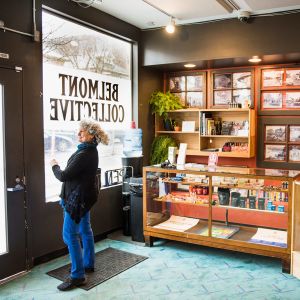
[{"x": 212, "y": 159}]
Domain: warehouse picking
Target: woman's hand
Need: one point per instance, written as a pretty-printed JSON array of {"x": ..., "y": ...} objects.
[{"x": 53, "y": 162}]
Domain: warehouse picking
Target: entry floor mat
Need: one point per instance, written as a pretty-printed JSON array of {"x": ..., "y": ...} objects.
[{"x": 108, "y": 263}]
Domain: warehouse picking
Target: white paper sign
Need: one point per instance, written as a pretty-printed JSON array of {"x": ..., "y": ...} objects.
[
  {"x": 181, "y": 154},
  {"x": 172, "y": 154}
]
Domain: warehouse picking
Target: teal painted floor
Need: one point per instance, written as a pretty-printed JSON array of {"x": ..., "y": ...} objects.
[{"x": 173, "y": 271}]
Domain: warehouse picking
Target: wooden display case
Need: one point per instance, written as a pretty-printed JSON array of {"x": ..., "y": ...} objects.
[
  {"x": 206, "y": 138},
  {"x": 240, "y": 209}
]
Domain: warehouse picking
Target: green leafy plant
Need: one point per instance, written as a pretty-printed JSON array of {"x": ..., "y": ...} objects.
[
  {"x": 161, "y": 103},
  {"x": 159, "y": 148}
]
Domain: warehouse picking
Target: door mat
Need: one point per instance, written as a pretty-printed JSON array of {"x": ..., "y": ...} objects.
[{"x": 108, "y": 263}]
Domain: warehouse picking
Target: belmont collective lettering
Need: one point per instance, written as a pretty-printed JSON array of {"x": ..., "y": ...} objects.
[{"x": 98, "y": 100}]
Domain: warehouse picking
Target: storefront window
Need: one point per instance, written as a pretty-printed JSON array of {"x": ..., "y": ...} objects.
[
  {"x": 86, "y": 74},
  {"x": 3, "y": 227}
]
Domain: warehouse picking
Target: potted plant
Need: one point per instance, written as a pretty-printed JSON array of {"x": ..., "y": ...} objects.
[
  {"x": 161, "y": 103},
  {"x": 160, "y": 147},
  {"x": 176, "y": 125}
]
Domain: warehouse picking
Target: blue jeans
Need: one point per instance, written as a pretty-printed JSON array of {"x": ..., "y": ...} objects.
[{"x": 72, "y": 233}]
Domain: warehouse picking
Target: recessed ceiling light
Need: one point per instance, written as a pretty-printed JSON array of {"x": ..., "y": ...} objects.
[
  {"x": 254, "y": 59},
  {"x": 190, "y": 65}
]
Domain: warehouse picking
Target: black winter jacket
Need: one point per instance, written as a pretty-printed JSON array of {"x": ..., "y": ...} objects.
[{"x": 80, "y": 173}]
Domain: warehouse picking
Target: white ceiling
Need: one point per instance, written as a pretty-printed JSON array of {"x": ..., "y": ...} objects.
[{"x": 149, "y": 14}]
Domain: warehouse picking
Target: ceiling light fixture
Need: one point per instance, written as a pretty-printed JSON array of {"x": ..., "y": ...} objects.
[
  {"x": 170, "y": 28},
  {"x": 254, "y": 59},
  {"x": 190, "y": 65}
]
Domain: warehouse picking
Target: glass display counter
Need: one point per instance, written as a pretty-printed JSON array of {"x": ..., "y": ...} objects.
[{"x": 240, "y": 209}]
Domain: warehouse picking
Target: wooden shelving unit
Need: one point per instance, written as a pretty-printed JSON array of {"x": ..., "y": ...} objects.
[{"x": 199, "y": 144}]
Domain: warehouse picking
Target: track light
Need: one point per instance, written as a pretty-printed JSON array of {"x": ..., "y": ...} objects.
[{"x": 170, "y": 28}]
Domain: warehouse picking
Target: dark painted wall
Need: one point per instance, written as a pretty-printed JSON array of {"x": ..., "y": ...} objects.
[
  {"x": 46, "y": 219},
  {"x": 223, "y": 39},
  {"x": 198, "y": 42}
]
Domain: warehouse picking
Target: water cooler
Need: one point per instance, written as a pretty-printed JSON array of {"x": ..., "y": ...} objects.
[{"x": 133, "y": 159}]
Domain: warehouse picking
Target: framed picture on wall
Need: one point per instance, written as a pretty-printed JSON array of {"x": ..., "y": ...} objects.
[
  {"x": 222, "y": 98},
  {"x": 294, "y": 153},
  {"x": 181, "y": 96},
  {"x": 177, "y": 84},
  {"x": 275, "y": 133},
  {"x": 292, "y": 100},
  {"x": 272, "y": 78},
  {"x": 194, "y": 83},
  {"x": 242, "y": 96},
  {"x": 241, "y": 80},
  {"x": 294, "y": 135},
  {"x": 222, "y": 81},
  {"x": 292, "y": 77},
  {"x": 271, "y": 100},
  {"x": 194, "y": 99},
  {"x": 275, "y": 152}
]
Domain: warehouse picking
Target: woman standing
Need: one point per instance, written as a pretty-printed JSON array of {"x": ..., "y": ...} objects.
[{"x": 79, "y": 194}]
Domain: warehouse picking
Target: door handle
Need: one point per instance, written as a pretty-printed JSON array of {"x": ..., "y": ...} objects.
[
  {"x": 18, "y": 187},
  {"x": 15, "y": 189}
]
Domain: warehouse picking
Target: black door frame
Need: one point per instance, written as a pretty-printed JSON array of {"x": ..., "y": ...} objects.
[{"x": 16, "y": 260}]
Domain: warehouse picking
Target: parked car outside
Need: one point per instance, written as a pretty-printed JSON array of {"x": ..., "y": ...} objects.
[{"x": 62, "y": 142}]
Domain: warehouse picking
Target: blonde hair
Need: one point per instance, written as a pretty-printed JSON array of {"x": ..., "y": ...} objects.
[{"x": 93, "y": 128}]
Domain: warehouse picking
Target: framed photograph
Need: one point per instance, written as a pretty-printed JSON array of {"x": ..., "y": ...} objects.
[
  {"x": 294, "y": 153},
  {"x": 241, "y": 80},
  {"x": 275, "y": 133},
  {"x": 292, "y": 100},
  {"x": 177, "y": 84},
  {"x": 194, "y": 83},
  {"x": 181, "y": 96},
  {"x": 222, "y": 98},
  {"x": 222, "y": 81},
  {"x": 275, "y": 152},
  {"x": 292, "y": 77},
  {"x": 242, "y": 96},
  {"x": 294, "y": 135},
  {"x": 194, "y": 99},
  {"x": 272, "y": 78},
  {"x": 188, "y": 126},
  {"x": 271, "y": 100}
]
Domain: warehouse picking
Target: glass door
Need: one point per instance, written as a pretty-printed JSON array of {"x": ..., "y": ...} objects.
[{"x": 13, "y": 235}]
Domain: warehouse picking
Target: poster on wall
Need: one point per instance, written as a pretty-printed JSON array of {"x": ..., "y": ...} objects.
[
  {"x": 177, "y": 84},
  {"x": 293, "y": 77},
  {"x": 272, "y": 78},
  {"x": 194, "y": 83},
  {"x": 294, "y": 134},
  {"x": 294, "y": 153},
  {"x": 275, "y": 152},
  {"x": 272, "y": 100},
  {"x": 222, "y": 81},
  {"x": 275, "y": 133},
  {"x": 222, "y": 98},
  {"x": 241, "y": 80},
  {"x": 292, "y": 100}
]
